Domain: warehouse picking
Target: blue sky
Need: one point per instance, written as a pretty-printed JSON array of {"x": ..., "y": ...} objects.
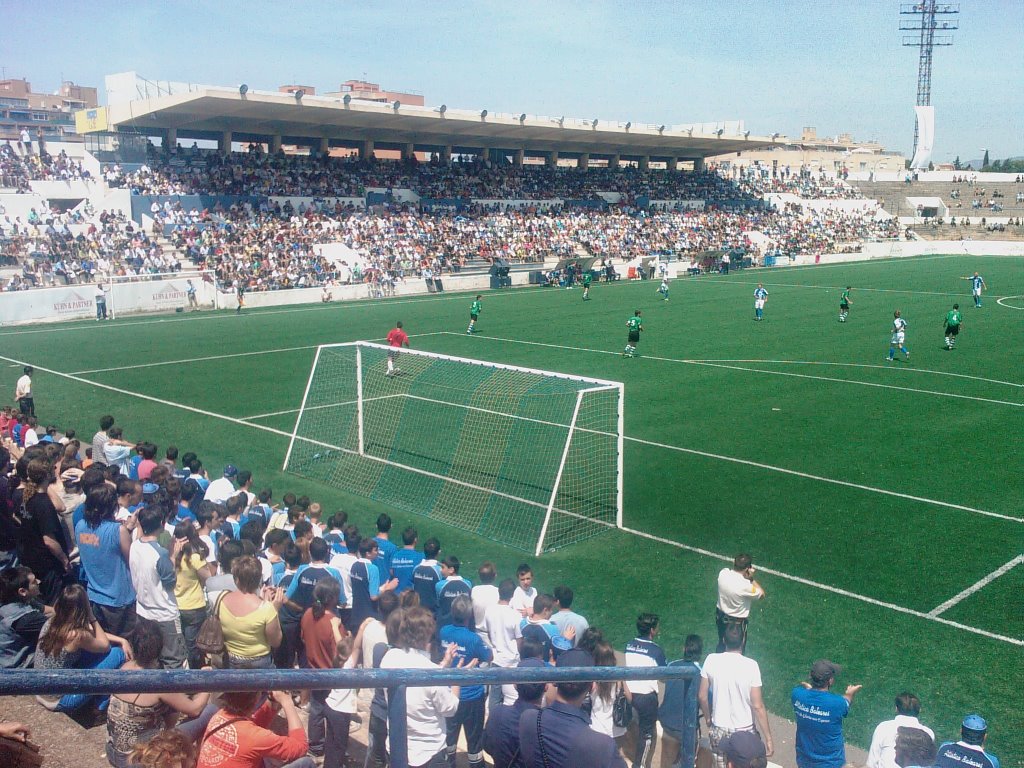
[{"x": 778, "y": 65}]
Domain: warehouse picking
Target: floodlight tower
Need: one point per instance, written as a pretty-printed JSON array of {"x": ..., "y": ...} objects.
[{"x": 930, "y": 17}]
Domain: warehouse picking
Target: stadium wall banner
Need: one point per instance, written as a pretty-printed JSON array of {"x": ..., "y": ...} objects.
[
  {"x": 357, "y": 202},
  {"x": 78, "y": 302},
  {"x": 925, "y": 137},
  {"x": 689, "y": 205}
]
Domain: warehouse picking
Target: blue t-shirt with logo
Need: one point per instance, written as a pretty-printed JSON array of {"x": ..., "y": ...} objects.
[
  {"x": 403, "y": 563},
  {"x": 106, "y": 570},
  {"x": 819, "y": 728},
  {"x": 468, "y": 646}
]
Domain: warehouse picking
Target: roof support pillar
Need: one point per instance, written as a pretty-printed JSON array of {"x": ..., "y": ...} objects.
[
  {"x": 275, "y": 144},
  {"x": 224, "y": 145},
  {"x": 517, "y": 158},
  {"x": 408, "y": 151},
  {"x": 551, "y": 160},
  {"x": 584, "y": 162},
  {"x": 613, "y": 161},
  {"x": 366, "y": 151},
  {"x": 698, "y": 164},
  {"x": 325, "y": 145},
  {"x": 645, "y": 162},
  {"x": 170, "y": 138},
  {"x": 446, "y": 154},
  {"x": 672, "y": 164}
]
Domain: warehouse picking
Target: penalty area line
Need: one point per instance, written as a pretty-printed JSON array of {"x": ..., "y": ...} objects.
[
  {"x": 976, "y": 586},
  {"x": 931, "y": 616}
]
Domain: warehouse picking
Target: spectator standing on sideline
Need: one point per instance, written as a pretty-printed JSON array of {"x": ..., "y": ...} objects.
[
  {"x": 385, "y": 548},
  {"x": 970, "y": 750},
  {"x": 882, "y": 753},
  {"x": 679, "y": 710},
  {"x": 100, "y": 438},
  {"x": 642, "y": 651},
  {"x": 44, "y": 545},
  {"x": 104, "y": 547},
  {"x": 731, "y": 682},
  {"x": 23, "y": 392},
  {"x": 501, "y": 734},
  {"x": 223, "y": 488},
  {"x": 484, "y": 595},
  {"x": 565, "y": 617},
  {"x": 405, "y": 560},
  {"x": 914, "y": 748},
  {"x": 470, "y": 651},
  {"x": 737, "y": 589},
  {"x": 819, "y": 717},
  {"x": 153, "y": 577},
  {"x": 525, "y": 593},
  {"x": 559, "y": 735},
  {"x": 503, "y": 628}
]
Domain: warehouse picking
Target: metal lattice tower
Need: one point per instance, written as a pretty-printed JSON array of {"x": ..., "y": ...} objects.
[{"x": 930, "y": 17}]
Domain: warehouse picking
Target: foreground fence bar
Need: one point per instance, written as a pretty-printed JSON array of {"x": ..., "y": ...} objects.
[{"x": 25, "y": 682}]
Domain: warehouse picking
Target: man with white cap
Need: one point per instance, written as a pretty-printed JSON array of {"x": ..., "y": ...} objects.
[{"x": 970, "y": 750}]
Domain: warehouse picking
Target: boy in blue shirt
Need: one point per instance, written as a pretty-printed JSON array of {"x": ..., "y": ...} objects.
[{"x": 470, "y": 650}]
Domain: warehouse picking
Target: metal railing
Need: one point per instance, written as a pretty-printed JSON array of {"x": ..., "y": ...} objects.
[{"x": 26, "y": 682}]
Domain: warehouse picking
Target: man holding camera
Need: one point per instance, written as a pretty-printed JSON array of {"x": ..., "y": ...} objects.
[{"x": 737, "y": 590}]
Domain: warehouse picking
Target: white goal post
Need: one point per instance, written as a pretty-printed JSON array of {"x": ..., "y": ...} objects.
[{"x": 527, "y": 457}]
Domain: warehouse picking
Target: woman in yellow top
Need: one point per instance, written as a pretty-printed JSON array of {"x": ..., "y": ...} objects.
[
  {"x": 248, "y": 617},
  {"x": 192, "y": 571}
]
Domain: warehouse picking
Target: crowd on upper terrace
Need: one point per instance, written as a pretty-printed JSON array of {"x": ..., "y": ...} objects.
[{"x": 16, "y": 171}]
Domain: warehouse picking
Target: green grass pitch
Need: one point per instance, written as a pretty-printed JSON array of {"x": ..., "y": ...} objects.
[{"x": 875, "y": 492}]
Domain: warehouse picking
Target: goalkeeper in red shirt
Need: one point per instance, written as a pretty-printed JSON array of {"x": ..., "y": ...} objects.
[{"x": 396, "y": 338}]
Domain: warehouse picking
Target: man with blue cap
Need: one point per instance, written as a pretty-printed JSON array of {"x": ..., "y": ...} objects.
[{"x": 969, "y": 752}]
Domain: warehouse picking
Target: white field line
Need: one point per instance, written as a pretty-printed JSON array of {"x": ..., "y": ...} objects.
[
  {"x": 834, "y": 590},
  {"x": 979, "y": 584},
  {"x": 915, "y": 390},
  {"x": 217, "y": 357},
  {"x": 316, "y": 407},
  {"x": 707, "y": 553},
  {"x": 1001, "y": 299},
  {"x": 870, "y": 365}
]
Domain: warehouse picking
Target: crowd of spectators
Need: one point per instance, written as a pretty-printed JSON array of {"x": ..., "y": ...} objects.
[
  {"x": 114, "y": 554},
  {"x": 76, "y": 248},
  {"x": 17, "y": 170}
]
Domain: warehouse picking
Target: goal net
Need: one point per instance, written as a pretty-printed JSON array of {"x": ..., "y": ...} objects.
[{"x": 529, "y": 458}]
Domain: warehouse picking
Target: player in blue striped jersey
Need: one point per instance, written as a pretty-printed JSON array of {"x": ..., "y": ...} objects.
[
  {"x": 760, "y": 299},
  {"x": 977, "y": 286}
]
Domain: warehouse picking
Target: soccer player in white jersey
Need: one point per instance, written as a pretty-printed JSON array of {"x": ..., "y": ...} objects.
[
  {"x": 760, "y": 299},
  {"x": 663, "y": 289},
  {"x": 977, "y": 286},
  {"x": 899, "y": 335}
]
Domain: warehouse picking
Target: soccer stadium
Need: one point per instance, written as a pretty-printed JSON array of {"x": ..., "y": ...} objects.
[{"x": 313, "y": 396}]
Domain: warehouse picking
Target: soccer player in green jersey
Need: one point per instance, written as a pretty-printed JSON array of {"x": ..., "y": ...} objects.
[
  {"x": 953, "y": 322},
  {"x": 587, "y": 277},
  {"x": 634, "y": 326},
  {"x": 844, "y": 305},
  {"x": 474, "y": 313}
]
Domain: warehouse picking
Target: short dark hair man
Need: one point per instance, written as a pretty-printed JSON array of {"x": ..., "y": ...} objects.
[
  {"x": 744, "y": 749},
  {"x": 560, "y": 734},
  {"x": 23, "y": 392},
  {"x": 819, "y": 717},
  {"x": 970, "y": 750},
  {"x": 737, "y": 590},
  {"x": 679, "y": 708},
  {"x": 882, "y": 753}
]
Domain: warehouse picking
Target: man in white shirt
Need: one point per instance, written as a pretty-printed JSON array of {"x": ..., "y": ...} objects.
[
  {"x": 882, "y": 753},
  {"x": 30, "y": 436},
  {"x": 23, "y": 392},
  {"x": 222, "y": 489},
  {"x": 502, "y": 633},
  {"x": 484, "y": 595},
  {"x": 737, "y": 590},
  {"x": 732, "y": 683}
]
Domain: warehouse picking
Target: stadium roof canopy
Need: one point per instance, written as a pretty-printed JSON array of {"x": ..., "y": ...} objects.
[{"x": 210, "y": 113}]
